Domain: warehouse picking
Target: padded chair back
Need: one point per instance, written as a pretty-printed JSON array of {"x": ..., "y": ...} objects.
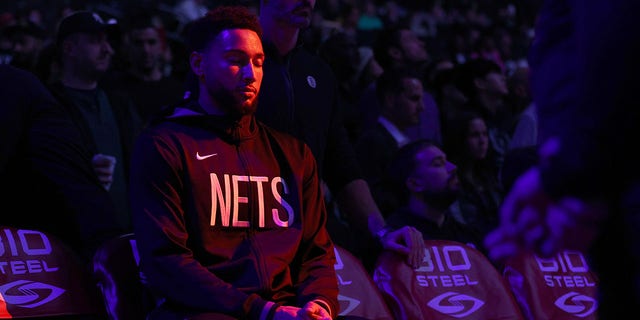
[
  {"x": 560, "y": 287},
  {"x": 41, "y": 277},
  {"x": 359, "y": 297},
  {"x": 454, "y": 281},
  {"x": 116, "y": 268}
]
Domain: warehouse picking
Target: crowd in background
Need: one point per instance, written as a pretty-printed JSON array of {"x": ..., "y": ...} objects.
[
  {"x": 451, "y": 30},
  {"x": 467, "y": 59},
  {"x": 434, "y": 97}
]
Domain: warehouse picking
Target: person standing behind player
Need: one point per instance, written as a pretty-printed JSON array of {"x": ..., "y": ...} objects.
[{"x": 300, "y": 97}]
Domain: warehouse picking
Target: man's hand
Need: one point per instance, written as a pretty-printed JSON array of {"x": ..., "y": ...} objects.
[
  {"x": 574, "y": 224},
  {"x": 523, "y": 216},
  {"x": 104, "y": 166},
  {"x": 286, "y": 313},
  {"x": 406, "y": 240},
  {"x": 531, "y": 221},
  {"x": 313, "y": 311}
]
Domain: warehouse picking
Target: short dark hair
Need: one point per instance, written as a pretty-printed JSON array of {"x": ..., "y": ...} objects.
[
  {"x": 455, "y": 136},
  {"x": 471, "y": 70},
  {"x": 402, "y": 166},
  {"x": 200, "y": 33},
  {"x": 390, "y": 81},
  {"x": 385, "y": 39},
  {"x": 140, "y": 20}
]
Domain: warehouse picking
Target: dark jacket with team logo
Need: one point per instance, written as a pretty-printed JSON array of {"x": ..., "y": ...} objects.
[{"x": 229, "y": 215}]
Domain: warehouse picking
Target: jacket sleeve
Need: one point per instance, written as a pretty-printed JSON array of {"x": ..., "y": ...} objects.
[
  {"x": 161, "y": 233},
  {"x": 317, "y": 279}
]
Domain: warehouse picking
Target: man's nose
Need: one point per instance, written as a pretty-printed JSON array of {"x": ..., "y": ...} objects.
[
  {"x": 249, "y": 72},
  {"x": 106, "y": 46},
  {"x": 450, "y": 166}
]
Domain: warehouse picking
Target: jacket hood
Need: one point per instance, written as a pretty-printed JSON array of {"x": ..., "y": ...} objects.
[{"x": 230, "y": 128}]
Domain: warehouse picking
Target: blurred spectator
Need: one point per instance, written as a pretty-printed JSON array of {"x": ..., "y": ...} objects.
[
  {"x": 349, "y": 16},
  {"x": 299, "y": 96},
  {"x": 189, "y": 10},
  {"x": 525, "y": 132},
  {"x": 369, "y": 23},
  {"x": 485, "y": 47},
  {"x": 425, "y": 185},
  {"x": 27, "y": 42},
  {"x": 484, "y": 85},
  {"x": 584, "y": 194},
  {"x": 457, "y": 46},
  {"x": 467, "y": 144},
  {"x": 47, "y": 181},
  {"x": 450, "y": 99},
  {"x": 400, "y": 47},
  {"x": 367, "y": 71},
  {"x": 394, "y": 14},
  {"x": 399, "y": 93},
  {"x": 433, "y": 69},
  {"x": 146, "y": 54},
  {"x": 355, "y": 69},
  {"x": 107, "y": 118}
]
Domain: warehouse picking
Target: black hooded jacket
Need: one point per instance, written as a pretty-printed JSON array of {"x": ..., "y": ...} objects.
[{"x": 229, "y": 214}]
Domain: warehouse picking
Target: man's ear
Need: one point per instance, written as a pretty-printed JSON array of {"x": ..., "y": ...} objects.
[
  {"x": 479, "y": 83},
  {"x": 414, "y": 185},
  {"x": 389, "y": 101},
  {"x": 195, "y": 61},
  {"x": 395, "y": 53},
  {"x": 67, "y": 46}
]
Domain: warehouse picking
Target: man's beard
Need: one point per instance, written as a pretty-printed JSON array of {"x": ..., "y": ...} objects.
[
  {"x": 231, "y": 105},
  {"x": 440, "y": 200}
]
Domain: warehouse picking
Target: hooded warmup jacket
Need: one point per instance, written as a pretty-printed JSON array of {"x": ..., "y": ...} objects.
[{"x": 229, "y": 215}]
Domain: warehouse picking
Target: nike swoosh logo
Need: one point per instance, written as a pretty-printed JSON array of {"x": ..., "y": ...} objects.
[{"x": 199, "y": 157}]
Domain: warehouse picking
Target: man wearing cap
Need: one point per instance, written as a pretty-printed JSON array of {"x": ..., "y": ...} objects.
[{"x": 106, "y": 118}]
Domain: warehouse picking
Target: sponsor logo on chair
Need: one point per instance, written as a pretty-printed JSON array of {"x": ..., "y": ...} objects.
[
  {"x": 29, "y": 294},
  {"x": 577, "y": 304},
  {"x": 455, "y": 304}
]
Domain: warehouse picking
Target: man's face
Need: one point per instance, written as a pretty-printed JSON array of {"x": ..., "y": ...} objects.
[
  {"x": 26, "y": 44},
  {"x": 25, "y": 50},
  {"x": 477, "y": 139},
  {"x": 496, "y": 83},
  {"x": 413, "y": 48},
  {"x": 231, "y": 71},
  {"x": 292, "y": 13},
  {"x": 146, "y": 48},
  {"x": 408, "y": 104},
  {"x": 435, "y": 177},
  {"x": 89, "y": 52}
]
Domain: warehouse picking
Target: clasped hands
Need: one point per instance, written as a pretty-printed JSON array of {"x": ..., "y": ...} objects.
[{"x": 310, "y": 311}]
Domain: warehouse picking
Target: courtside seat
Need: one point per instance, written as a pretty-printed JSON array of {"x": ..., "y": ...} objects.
[
  {"x": 454, "y": 281},
  {"x": 559, "y": 287},
  {"x": 359, "y": 297},
  {"x": 116, "y": 268},
  {"x": 41, "y": 277}
]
